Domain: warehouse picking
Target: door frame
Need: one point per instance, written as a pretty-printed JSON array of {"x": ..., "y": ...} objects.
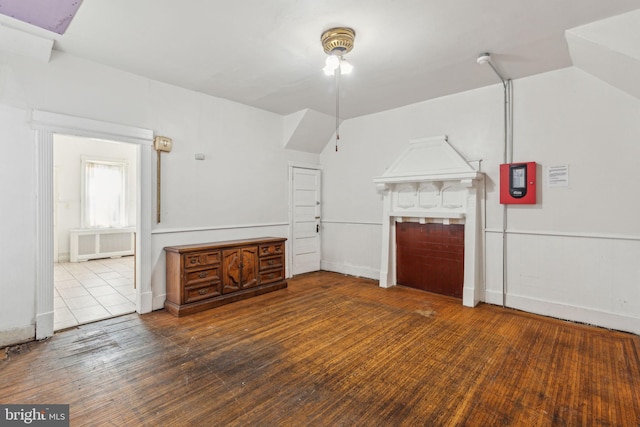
[
  {"x": 292, "y": 165},
  {"x": 45, "y": 125}
]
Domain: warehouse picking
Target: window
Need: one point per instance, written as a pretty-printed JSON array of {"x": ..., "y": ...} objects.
[{"x": 103, "y": 193}]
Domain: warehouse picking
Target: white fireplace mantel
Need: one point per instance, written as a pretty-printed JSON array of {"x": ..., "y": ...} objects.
[{"x": 431, "y": 182}]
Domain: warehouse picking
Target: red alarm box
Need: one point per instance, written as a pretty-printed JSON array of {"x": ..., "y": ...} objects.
[{"x": 518, "y": 183}]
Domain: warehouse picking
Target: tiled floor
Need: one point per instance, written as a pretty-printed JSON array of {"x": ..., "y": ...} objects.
[{"x": 92, "y": 290}]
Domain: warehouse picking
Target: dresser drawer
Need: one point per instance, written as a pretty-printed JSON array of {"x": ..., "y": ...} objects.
[
  {"x": 197, "y": 276},
  {"x": 203, "y": 291},
  {"x": 267, "y": 263},
  {"x": 272, "y": 249},
  {"x": 271, "y": 276},
  {"x": 199, "y": 259}
]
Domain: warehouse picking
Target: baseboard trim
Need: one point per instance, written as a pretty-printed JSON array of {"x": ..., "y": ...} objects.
[
  {"x": 17, "y": 335},
  {"x": 158, "y": 302},
  {"x": 493, "y": 297},
  {"x": 146, "y": 302},
  {"x": 585, "y": 315},
  {"x": 576, "y": 314},
  {"x": 44, "y": 325},
  {"x": 351, "y": 270}
]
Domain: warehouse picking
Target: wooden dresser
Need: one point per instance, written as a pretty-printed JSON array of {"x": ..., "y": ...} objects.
[{"x": 200, "y": 277}]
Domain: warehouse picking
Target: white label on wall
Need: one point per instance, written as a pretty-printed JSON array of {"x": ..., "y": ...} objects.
[{"x": 558, "y": 176}]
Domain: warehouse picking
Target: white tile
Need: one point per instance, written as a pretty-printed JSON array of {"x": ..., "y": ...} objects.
[
  {"x": 120, "y": 309},
  {"x": 93, "y": 282},
  {"x": 102, "y": 290},
  {"x": 79, "y": 286},
  {"x": 85, "y": 275},
  {"x": 119, "y": 281},
  {"x": 98, "y": 267},
  {"x": 122, "y": 268},
  {"x": 62, "y": 274},
  {"x": 90, "y": 314},
  {"x": 81, "y": 302},
  {"x": 128, "y": 274},
  {"x": 113, "y": 299},
  {"x": 58, "y": 302},
  {"x": 125, "y": 290},
  {"x": 73, "y": 283},
  {"x": 78, "y": 291},
  {"x": 64, "y": 324},
  {"x": 63, "y": 318},
  {"x": 79, "y": 273},
  {"x": 62, "y": 314}
]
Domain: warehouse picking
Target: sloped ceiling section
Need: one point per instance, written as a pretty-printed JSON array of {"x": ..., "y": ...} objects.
[
  {"x": 308, "y": 130},
  {"x": 609, "y": 50},
  {"x": 52, "y": 15},
  {"x": 25, "y": 44}
]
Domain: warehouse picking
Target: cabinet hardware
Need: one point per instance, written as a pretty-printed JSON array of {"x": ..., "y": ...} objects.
[
  {"x": 203, "y": 274},
  {"x": 203, "y": 291}
]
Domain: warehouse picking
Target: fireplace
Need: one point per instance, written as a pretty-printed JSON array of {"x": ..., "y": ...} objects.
[
  {"x": 430, "y": 182},
  {"x": 430, "y": 257}
]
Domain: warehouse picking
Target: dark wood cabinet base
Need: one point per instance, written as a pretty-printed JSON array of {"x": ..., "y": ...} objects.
[{"x": 183, "y": 310}]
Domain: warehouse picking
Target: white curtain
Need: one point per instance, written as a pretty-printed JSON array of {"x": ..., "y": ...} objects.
[{"x": 104, "y": 194}]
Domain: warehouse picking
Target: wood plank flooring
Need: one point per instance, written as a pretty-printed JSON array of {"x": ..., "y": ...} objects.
[{"x": 333, "y": 350}]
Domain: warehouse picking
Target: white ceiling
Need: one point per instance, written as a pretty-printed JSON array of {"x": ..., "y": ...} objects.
[{"x": 268, "y": 54}]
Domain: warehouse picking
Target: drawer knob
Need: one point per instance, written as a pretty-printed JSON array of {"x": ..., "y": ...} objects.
[
  {"x": 203, "y": 274},
  {"x": 271, "y": 276},
  {"x": 202, "y": 291},
  {"x": 271, "y": 262},
  {"x": 193, "y": 260}
]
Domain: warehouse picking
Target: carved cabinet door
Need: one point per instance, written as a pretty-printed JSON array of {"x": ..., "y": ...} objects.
[{"x": 240, "y": 268}]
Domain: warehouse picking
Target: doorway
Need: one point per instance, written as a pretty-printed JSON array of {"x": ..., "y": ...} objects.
[
  {"x": 430, "y": 257},
  {"x": 45, "y": 125},
  {"x": 94, "y": 221},
  {"x": 305, "y": 218}
]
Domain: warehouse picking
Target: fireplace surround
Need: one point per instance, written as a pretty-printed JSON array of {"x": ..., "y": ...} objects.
[{"x": 431, "y": 182}]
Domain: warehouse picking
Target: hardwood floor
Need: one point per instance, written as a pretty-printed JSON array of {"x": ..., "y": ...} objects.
[{"x": 333, "y": 350}]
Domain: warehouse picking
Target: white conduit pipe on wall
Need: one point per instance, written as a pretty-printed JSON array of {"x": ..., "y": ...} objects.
[
  {"x": 508, "y": 119},
  {"x": 507, "y": 157}
]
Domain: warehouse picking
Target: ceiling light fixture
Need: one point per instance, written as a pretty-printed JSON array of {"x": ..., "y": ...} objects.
[{"x": 336, "y": 43}]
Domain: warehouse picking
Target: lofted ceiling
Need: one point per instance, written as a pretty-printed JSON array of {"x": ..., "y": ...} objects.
[{"x": 267, "y": 54}]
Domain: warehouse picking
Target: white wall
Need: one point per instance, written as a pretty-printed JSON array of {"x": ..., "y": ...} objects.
[
  {"x": 67, "y": 168},
  {"x": 17, "y": 231},
  {"x": 571, "y": 255},
  {"x": 239, "y": 190},
  {"x": 352, "y": 209}
]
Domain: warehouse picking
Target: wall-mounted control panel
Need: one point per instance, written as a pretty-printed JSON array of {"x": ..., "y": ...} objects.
[{"x": 518, "y": 183}]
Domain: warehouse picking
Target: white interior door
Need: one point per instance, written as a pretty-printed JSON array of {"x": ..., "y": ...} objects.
[{"x": 306, "y": 220}]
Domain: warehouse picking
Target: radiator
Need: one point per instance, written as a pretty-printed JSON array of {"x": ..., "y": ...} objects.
[{"x": 101, "y": 243}]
